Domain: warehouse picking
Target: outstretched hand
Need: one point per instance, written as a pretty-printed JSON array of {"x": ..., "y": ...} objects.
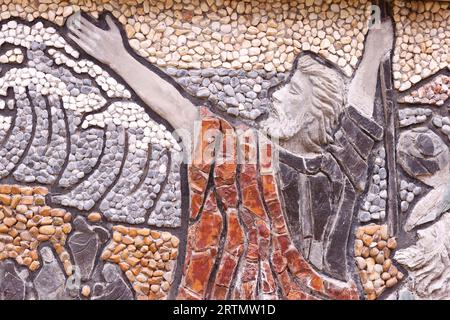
[{"x": 104, "y": 45}]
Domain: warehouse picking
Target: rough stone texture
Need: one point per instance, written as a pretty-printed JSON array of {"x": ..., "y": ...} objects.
[
  {"x": 114, "y": 286},
  {"x": 27, "y": 222},
  {"x": 422, "y": 41},
  {"x": 12, "y": 286},
  {"x": 50, "y": 135},
  {"x": 427, "y": 261},
  {"x": 268, "y": 247},
  {"x": 203, "y": 34},
  {"x": 373, "y": 206},
  {"x": 146, "y": 257},
  {"x": 91, "y": 150},
  {"x": 84, "y": 244},
  {"x": 50, "y": 282},
  {"x": 239, "y": 93},
  {"x": 436, "y": 92},
  {"x": 373, "y": 248}
]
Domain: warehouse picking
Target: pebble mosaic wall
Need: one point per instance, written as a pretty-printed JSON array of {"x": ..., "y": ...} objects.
[
  {"x": 422, "y": 41},
  {"x": 230, "y": 52},
  {"x": 222, "y": 149}
]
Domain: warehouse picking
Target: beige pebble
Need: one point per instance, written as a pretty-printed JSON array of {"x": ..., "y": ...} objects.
[
  {"x": 391, "y": 282},
  {"x": 368, "y": 287},
  {"x": 154, "y": 288},
  {"x": 364, "y": 276},
  {"x": 166, "y": 236},
  {"x": 359, "y": 245},
  {"x": 67, "y": 228},
  {"x": 380, "y": 258},
  {"x": 381, "y": 244},
  {"x": 378, "y": 268},
  {"x": 367, "y": 239},
  {"x": 365, "y": 252},
  {"x": 165, "y": 286},
  {"x": 387, "y": 264},
  {"x": 94, "y": 217},
  {"x": 374, "y": 252},
  {"x": 378, "y": 283},
  {"x": 117, "y": 236},
  {"x": 47, "y": 230},
  {"x": 392, "y": 243},
  {"x": 86, "y": 291},
  {"x": 385, "y": 276},
  {"x": 175, "y": 241},
  {"x": 361, "y": 263},
  {"x": 10, "y": 221},
  {"x": 393, "y": 271}
]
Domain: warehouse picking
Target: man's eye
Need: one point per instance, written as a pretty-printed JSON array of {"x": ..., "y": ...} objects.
[{"x": 294, "y": 91}]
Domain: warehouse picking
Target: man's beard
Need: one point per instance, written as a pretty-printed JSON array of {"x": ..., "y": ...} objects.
[
  {"x": 279, "y": 126},
  {"x": 298, "y": 134}
]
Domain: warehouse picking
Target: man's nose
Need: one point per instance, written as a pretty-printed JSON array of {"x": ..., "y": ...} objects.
[{"x": 278, "y": 95}]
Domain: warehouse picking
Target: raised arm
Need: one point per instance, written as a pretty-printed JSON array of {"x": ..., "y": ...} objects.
[
  {"x": 362, "y": 89},
  {"x": 107, "y": 47}
]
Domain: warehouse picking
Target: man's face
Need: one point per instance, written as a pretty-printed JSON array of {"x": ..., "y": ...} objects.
[{"x": 289, "y": 105}]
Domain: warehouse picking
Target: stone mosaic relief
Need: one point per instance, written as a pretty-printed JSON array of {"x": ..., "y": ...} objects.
[{"x": 224, "y": 150}]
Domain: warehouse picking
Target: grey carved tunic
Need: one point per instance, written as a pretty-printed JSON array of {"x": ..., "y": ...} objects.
[{"x": 322, "y": 192}]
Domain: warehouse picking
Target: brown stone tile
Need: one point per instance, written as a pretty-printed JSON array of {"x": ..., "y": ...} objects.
[
  {"x": 184, "y": 294},
  {"x": 195, "y": 205},
  {"x": 219, "y": 293},
  {"x": 225, "y": 174},
  {"x": 197, "y": 179},
  {"x": 235, "y": 235},
  {"x": 208, "y": 231},
  {"x": 228, "y": 195},
  {"x": 250, "y": 271},
  {"x": 226, "y": 270},
  {"x": 251, "y": 200},
  {"x": 270, "y": 190},
  {"x": 267, "y": 282},
  {"x": 198, "y": 272},
  {"x": 279, "y": 262},
  {"x": 248, "y": 290}
]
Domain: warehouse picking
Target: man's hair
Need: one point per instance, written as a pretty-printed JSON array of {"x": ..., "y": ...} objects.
[{"x": 327, "y": 102}]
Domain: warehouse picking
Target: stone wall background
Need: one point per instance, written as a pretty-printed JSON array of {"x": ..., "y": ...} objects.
[
  {"x": 249, "y": 35},
  {"x": 422, "y": 40},
  {"x": 231, "y": 54}
]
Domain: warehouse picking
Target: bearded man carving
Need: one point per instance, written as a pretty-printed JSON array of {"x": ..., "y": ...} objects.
[{"x": 325, "y": 134}]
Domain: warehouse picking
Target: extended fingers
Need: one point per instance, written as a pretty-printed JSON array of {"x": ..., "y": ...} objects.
[
  {"x": 84, "y": 34},
  {"x": 75, "y": 39},
  {"x": 85, "y": 43},
  {"x": 90, "y": 31},
  {"x": 84, "y": 31},
  {"x": 78, "y": 33},
  {"x": 89, "y": 27},
  {"x": 77, "y": 23}
]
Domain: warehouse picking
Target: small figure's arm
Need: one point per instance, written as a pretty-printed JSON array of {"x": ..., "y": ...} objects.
[
  {"x": 362, "y": 90},
  {"x": 107, "y": 47}
]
